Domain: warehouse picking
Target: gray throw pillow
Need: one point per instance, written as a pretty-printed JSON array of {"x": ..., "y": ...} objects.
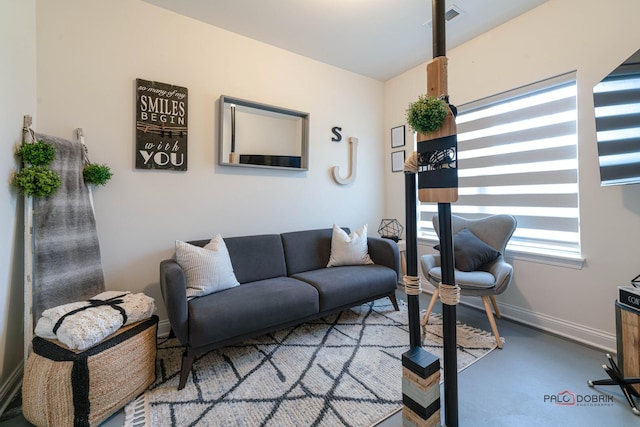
[{"x": 470, "y": 252}]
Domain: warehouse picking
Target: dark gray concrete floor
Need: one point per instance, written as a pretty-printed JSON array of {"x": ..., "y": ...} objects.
[{"x": 513, "y": 387}]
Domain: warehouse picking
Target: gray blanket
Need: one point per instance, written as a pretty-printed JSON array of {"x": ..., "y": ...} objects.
[{"x": 67, "y": 265}]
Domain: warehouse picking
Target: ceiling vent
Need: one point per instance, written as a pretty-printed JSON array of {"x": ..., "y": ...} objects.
[{"x": 450, "y": 14}]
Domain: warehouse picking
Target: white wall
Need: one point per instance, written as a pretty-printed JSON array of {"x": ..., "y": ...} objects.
[
  {"x": 557, "y": 37},
  {"x": 17, "y": 86},
  {"x": 89, "y": 55}
]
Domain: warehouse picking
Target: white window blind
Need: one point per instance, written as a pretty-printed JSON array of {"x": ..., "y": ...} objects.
[{"x": 517, "y": 154}]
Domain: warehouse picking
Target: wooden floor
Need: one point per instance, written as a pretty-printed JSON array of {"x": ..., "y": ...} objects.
[{"x": 517, "y": 386}]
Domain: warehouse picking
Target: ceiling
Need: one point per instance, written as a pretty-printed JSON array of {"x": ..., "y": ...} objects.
[{"x": 375, "y": 38}]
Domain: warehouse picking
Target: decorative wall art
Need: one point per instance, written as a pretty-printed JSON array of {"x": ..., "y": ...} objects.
[
  {"x": 337, "y": 136},
  {"x": 353, "y": 162},
  {"x": 161, "y": 126},
  {"x": 397, "y": 161},
  {"x": 397, "y": 136}
]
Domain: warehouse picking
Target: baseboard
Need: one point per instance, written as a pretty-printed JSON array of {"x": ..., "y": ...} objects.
[
  {"x": 163, "y": 328},
  {"x": 592, "y": 337},
  {"x": 11, "y": 387}
]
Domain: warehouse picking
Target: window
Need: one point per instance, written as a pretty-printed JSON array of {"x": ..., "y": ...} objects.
[{"x": 517, "y": 154}]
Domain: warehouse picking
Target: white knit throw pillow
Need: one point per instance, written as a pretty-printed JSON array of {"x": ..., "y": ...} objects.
[
  {"x": 349, "y": 249},
  {"x": 207, "y": 270}
]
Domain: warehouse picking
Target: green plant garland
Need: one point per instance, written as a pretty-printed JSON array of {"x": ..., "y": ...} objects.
[
  {"x": 37, "y": 181},
  {"x": 96, "y": 174},
  {"x": 37, "y": 153},
  {"x": 426, "y": 114}
]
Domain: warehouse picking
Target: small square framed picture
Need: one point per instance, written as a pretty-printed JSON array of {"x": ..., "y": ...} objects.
[
  {"x": 397, "y": 136},
  {"x": 397, "y": 161}
]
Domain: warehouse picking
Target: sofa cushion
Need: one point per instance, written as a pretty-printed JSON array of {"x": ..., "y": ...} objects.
[
  {"x": 249, "y": 308},
  {"x": 307, "y": 250},
  {"x": 207, "y": 270},
  {"x": 256, "y": 257},
  {"x": 345, "y": 285},
  {"x": 349, "y": 249}
]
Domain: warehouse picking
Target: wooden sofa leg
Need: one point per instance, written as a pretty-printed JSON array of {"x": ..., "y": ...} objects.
[
  {"x": 394, "y": 301},
  {"x": 187, "y": 361}
]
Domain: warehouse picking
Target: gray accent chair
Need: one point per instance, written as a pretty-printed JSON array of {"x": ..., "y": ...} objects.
[{"x": 486, "y": 281}]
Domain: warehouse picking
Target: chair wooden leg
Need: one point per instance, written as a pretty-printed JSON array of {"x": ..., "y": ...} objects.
[
  {"x": 492, "y": 321},
  {"x": 495, "y": 307},
  {"x": 432, "y": 303}
]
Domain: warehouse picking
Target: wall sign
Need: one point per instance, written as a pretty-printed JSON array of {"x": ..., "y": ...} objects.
[{"x": 161, "y": 126}]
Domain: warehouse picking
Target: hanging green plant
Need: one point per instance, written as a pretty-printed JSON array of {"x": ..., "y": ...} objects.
[
  {"x": 37, "y": 153},
  {"x": 96, "y": 174},
  {"x": 426, "y": 114},
  {"x": 37, "y": 181}
]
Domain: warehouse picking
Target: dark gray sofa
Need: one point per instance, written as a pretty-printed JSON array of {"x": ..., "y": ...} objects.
[{"x": 284, "y": 281}]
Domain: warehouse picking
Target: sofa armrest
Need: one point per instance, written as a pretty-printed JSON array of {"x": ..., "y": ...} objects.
[
  {"x": 173, "y": 285},
  {"x": 384, "y": 252}
]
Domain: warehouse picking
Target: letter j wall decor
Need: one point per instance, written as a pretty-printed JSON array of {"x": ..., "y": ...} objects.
[{"x": 161, "y": 126}]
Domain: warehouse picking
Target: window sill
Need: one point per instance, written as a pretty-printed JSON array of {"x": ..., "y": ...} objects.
[
  {"x": 550, "y": 258},
  {"x": 558, "y": 259}
]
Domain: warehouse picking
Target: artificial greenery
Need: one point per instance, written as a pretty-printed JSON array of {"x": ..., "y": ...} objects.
[
  {"x": 37, "y": 181},
  {"x": 426, "y": 114},
  {"x": 37, "y": 153},
  {"x": 96, "y": 174}
]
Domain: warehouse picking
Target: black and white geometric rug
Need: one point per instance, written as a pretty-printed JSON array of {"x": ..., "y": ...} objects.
[{"x": 342, "y": 370}]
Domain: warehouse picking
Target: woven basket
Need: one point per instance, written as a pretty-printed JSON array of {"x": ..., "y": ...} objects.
[{"x": 62, "y": 387}]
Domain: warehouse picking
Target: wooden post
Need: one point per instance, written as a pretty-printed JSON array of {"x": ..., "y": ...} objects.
[
  {"x": 440, "y": 184},
  {"x": 437, "y": 182},
  {"x": 411, "y": 238}
]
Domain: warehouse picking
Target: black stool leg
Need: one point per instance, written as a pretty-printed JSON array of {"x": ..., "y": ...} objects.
[{"x": 616, "y": 378}]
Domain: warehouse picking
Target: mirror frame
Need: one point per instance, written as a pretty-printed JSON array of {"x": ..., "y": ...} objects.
[
  {"x": 304, "y": 142},
  {"x": 618, "y": 155}
]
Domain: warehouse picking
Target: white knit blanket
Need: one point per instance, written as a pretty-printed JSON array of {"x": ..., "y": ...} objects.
[{"x": 94, "y": 320}]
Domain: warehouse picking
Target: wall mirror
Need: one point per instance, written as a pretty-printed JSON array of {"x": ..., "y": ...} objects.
[
  {"x": 263, "y": 136},
  {"x": 617, "y": 109}
]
